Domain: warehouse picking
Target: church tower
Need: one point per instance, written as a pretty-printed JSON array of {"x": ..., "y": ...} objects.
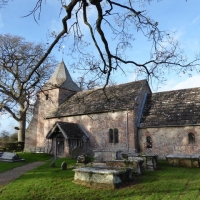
[{"x": 57, "y": 89}]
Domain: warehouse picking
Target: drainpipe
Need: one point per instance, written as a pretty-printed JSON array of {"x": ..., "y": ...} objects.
[{"x": 127, "y": 135}]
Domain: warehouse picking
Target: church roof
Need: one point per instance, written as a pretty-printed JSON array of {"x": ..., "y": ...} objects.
[
  {"x": 68, "y": 130},
  {"x": 62, "y": 79},
  {"x": 172, "y": 108},
  {"x": 118, "y": 97}
]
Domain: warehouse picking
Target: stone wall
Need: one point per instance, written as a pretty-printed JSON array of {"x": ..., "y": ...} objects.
[
  {"x": 97, "y": 126},
  {"x": 170, "y": 140},
  {"x": 31, "y": 131},
  {"x": 46, "y": 101}
]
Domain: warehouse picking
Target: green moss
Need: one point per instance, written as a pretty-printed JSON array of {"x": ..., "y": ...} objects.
[{"x": 128, "y": 163}]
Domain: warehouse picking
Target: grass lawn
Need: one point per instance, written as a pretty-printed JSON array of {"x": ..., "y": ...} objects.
[
  {"x": 4, "y": 166},
  {"x": 53, "y": 183}
]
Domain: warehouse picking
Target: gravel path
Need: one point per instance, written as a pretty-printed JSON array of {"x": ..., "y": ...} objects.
[{"x": 12, "y": 174}]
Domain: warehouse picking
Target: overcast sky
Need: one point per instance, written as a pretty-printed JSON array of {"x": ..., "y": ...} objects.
[{"x": 180, "y": 16}]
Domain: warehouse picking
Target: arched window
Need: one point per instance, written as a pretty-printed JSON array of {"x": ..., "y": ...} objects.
[
  {"x": 110, "y": 135},
  {"x": 191, "y": 138},
  {"x": 47, "y": 96},
  {"x": 149, "y": 142},
  {"x": 113, "y": 135},
  {"x": 116, "y": 137}
]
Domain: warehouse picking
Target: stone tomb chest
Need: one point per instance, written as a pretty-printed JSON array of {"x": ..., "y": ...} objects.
[
  {"x": 102, "y": 177},
  {"x": 135, "y": 164},
  {"x": 150, "y": 160},
  {"x": 184, "y": 160},
  {"x": 10, "y": 157}
]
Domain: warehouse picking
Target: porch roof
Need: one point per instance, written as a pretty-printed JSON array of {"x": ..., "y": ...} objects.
[{"x": 68, "y": 130}]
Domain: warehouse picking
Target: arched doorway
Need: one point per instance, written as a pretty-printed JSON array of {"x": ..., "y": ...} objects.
[{"x": 60, "y": 145}]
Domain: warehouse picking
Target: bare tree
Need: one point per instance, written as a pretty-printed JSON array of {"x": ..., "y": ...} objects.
[
  {"x": 87, "y": 83},
  {"x": 20, "y": 79},
  {"x": 3, "y": 3},
  {"x": 113, "y": 27}
]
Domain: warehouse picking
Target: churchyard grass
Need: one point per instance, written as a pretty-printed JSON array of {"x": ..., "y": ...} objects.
[
  {"x": 4, "y": 166},
  {"x": 52, "y": 183}
]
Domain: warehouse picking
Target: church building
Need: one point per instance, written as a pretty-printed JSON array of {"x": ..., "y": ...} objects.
[{"x": 122, "y": 118}]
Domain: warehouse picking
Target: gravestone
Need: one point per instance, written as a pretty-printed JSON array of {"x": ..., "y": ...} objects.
[
  {"x": 64, "y": 166},
  {"x": 118, "y": 155},
  {"x": 10, "y": 157},
  {"x": 53, "y": 164}
]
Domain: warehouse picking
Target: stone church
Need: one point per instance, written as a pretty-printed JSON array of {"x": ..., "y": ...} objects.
[{"x": 122, "y": 118}]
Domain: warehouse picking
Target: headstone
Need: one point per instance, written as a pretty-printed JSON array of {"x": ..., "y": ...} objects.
[
  {"x": 52, "y": 164},
  {"x": 118, "y": 155},
  {"x": 63, "y": 166}
]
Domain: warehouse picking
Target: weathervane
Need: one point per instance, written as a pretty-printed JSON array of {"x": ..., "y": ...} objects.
[{"x": 63, "y": 47}]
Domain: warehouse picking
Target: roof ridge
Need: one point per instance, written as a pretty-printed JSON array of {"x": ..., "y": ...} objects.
[
  {"x": 176, "y": 90},
  {"x": 122, "y": 84}
]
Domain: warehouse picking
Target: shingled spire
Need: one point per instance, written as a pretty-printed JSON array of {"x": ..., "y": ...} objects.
[{"x": 61, "y": 79}]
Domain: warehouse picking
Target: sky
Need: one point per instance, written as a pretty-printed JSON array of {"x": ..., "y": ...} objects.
[{"x": 179, "y": 16}]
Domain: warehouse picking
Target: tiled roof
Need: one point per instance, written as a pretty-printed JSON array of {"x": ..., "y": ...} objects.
[
  {"x": 178, "y": 107},
  {"x": 62, "y": 79},
  {"x": 118, "y": 97},
  {"x": 68, "y": 130}
]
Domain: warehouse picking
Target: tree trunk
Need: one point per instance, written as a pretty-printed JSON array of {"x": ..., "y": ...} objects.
[{"x": 21, "y": 131}]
